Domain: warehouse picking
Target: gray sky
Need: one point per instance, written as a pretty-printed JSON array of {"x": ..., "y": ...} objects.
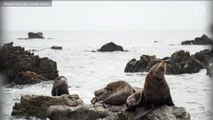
[{"x": 110, "y": 16}]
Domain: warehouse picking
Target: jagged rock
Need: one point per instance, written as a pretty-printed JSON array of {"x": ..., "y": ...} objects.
[
  {"x": 98, "y": 111},
  {"x": 38, "y": 35},
  {"x": 28, "y": 77},
  {"x": 140, "y": 65},
  {"x": 37, "y": 105},
  {"x": 14, "y": 60},
  {"x": 56, "y": 47},
  {"x": 204, "y": 56},
  {"x": 179, "y": 62},
  {"x": 203, "y": 40},
  {"x": 110, "y": 47}
]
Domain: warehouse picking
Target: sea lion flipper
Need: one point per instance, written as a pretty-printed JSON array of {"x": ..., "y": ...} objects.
[
  {"x": 170, "y": 101},
  {"x": 144, "y": 111}
]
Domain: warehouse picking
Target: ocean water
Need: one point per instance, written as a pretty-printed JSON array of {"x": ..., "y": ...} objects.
[{"x": 88, "y": 71}]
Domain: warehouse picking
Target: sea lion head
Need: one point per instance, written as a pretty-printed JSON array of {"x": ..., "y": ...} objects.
[{"x": 158, "y": 69}]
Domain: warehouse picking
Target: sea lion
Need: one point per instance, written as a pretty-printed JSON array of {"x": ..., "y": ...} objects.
[
  {"x": 115, "y": 93},
  {"x": 60, "y": 86},
  {"x": 156, "y": 92}
]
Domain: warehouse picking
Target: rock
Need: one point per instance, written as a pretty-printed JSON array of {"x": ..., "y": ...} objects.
[
  {"x": 179, "y": 62},
  {"x": 140, "y": 65},
  {"x": 204, "y": 56},
  {"x": 56, "y": 47},
  {"x": 210, "y": 71},
  {"x": 14, "y": 60},
  {"x": 110, "y": 47},
  {"x": 28, "y": 77},
  {"x": 114, "y": 93},
  {"x": 35, "y": 105},
  {"x": 98, "y": 111},
  {"x": 203, "y": 40},
  {"x": 38, "y": 35}
]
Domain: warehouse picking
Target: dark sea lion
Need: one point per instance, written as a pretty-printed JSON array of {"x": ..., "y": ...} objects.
[
  {"x": 109, "y": 94},
  {"x": 60, "y": 86},
  {"x": 156, "y": 92}
]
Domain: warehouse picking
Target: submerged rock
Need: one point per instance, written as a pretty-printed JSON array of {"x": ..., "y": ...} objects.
[
  {"x": 110, "y": 47},
  {"x": 37, "y": 105},
  {"x": 38, "y": 35},
  {"x": 98, "y": 111},
  {"x": 15, "y": 59},
  {"x": 56, "y": 47},
  {"x": 203, "y": 40},
  {"x": 179, "y": 62}
]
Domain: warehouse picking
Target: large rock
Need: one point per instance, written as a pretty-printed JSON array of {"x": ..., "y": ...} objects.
[
  {"x": 139, "y": 65},
  {"x": 110, "y": 47},
  {"x": 28, "y": 77},
  {"x": 203, "y": 40},
  {"x": 204, "y": 56},
  {"x": 35, "y": 105},
  {"x": 179, "y": 62},
  {"x": 38, "y": 35},
  {"x": 98, "y": 111},
  {"x": 210, "y": 71},
  {"x": 14, "y": 60}
]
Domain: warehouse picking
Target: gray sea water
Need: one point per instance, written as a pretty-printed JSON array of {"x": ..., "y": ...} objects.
[{"x": 88, "y": 71}]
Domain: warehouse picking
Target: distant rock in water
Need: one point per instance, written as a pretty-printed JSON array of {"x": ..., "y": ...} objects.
[
  {"x": 179, "y": 62},
  {"x": 38, "y": 35},
  {"x": 37, "y": 105},
  {"x": 110, "y": 47},
  {"x": 20, "y": 65},
  {"x": 56, "y": 47},
  {"x": 203, "y": 40}
]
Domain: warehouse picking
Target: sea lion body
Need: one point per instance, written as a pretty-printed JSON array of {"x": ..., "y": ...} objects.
[
  {"x": 60, "y": 86},
  {"x": 120, "y": 91},
  {"x": 156, "y": 90}
]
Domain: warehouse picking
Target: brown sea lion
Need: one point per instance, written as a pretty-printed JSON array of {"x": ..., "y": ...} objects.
[
  {"x": 156, "y": 91},
  {"x": 115, "y": 93},
  {"x": 60, "y": 86}
]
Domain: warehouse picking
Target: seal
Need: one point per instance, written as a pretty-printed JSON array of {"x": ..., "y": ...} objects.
[
  {"x": 156, "y": 92},
  {"x": 60, "y": 86},
  {"x": 115, "y": 93}
]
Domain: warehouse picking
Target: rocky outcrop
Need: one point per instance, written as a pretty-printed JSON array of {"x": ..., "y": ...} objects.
[
  {"x": 179, "y": 62},
  {"x": 35, "y": 105},
  {"x": 15, "y": 61},
  {"x": 38, "y": 35},
  {"x": 28, "y": 77},
  {"x": 203, "y": 40},
  {"x": 110, "y": 47},
  {"x": 98, "y": 111}
]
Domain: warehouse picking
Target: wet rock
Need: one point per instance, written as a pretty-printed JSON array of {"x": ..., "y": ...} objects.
[
  {"x": 203, "y": 40},
  {"x": 114, "y": 93},
  {"x": 98, "y": 111},
  {"x": 56, "y": 47},
  {"x": 35, "y": 105},
  {"x": 28, "y": 77},
  {"x": 179, "y": 62},
  {"x": 15, "y": 59},
  {"x": 110, "y": 47},
  {"x": 139, "y": 65},
  {"x": 38, "y": 35},
  {"x": 204, "y": 56},
  {"x": 210, "y": 71}
]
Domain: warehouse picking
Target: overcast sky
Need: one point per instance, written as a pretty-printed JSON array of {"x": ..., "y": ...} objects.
[{"x": 109, "y": 16}]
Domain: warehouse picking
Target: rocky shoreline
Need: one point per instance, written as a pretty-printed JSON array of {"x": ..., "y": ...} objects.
[{"x": 23, "y": 67}]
